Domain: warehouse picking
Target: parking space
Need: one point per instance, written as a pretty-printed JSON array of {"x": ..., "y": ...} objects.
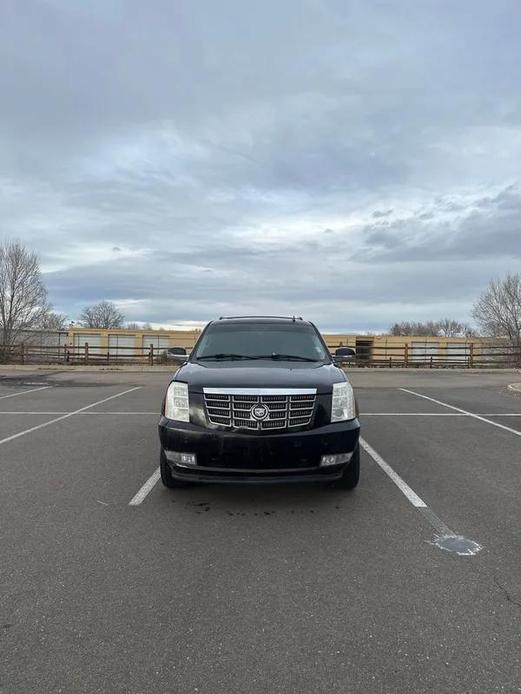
[
  {"x": 217, "y": 589},
  {"x": 8, "y": 393},
  {"x": 62, "y": 398},
  {"x": 394, "y": 401},
  {"x": 12, "y": 422}
]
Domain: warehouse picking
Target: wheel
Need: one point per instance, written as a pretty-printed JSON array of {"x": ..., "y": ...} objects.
[
  {"x": 166, "y": 475},
  {"x": 351, "y": 475}
]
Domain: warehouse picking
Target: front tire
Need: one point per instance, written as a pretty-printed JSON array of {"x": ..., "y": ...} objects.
[
  {"x": 166, "y": 475},
  {"x": 351, "y": 474}
]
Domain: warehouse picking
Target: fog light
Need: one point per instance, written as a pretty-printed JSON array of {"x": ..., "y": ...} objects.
[
  {"x": 336, "y": 459},
  {"x": 181, "y": 459}
]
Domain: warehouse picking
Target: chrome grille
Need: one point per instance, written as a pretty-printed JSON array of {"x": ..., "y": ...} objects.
[{"x": 284, "y": 408}]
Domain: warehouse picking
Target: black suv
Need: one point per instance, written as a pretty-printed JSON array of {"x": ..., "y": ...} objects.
[{"x": 260, "y": 399}]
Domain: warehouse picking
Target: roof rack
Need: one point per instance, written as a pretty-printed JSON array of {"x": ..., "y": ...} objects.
[{"x": 292, "y": 318}]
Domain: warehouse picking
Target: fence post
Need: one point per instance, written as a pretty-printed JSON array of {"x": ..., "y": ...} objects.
[
  {"x": 151, "y": 355},
  {"x": 390, "y": 362},
  {"x": 86, "y": 353},
  {"x": 471, "y": 356},
  {"x": 22, "y": 353},
  {"x": 65, "y": 354},
  {"x": 430, "y": 362},
  {"x": 406, "y": 354}
]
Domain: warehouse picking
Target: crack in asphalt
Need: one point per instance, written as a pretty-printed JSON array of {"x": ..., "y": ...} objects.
[{"x": 506, "y": 593}]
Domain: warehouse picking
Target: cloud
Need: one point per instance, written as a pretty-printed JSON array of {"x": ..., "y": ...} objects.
[
  {"x": 352, "y": 162},
  {"x": 488, "y": 227}
]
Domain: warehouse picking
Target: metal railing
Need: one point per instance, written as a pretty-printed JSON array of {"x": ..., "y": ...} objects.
[{"x": 469, "y": 355}]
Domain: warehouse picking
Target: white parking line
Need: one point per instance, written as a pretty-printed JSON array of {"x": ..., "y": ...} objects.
[
  {"x": 466, "y": 412},
  {"x": 402, "y": 486},
  {"x": 100, "y": 413},
  {"x": 66, "y": 416},
  {"x": 22, "y": 414},
  {"x": 362, "y": 414},
  {"x": 412, "y": 414},
  {"x": 24, "y": 392},
  {"x": 155, "y": 414},
  {"x": 439, "y": 414},
  {"x": 145, "y": 489},
  {"x": 446, "y": 539}
]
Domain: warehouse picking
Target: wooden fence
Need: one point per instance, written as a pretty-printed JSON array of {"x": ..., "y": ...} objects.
[
  {"x": 81, "y": 354},
  {"x": 469, "y": 355},
  {"x": 465, "y": 355}
]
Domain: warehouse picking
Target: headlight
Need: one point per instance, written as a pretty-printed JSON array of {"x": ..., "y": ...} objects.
[
  {"x": 343, "y": 402},
  {"x": 176, "y": 402}
]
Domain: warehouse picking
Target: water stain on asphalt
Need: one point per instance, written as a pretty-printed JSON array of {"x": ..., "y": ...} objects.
[{"x": 457, "y": 544}]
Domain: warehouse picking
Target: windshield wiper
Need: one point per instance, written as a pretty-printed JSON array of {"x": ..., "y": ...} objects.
[
  {"x": 273, "y": 355},
  {"x": 286, "y": 357},
  {"x": 225, "y": 355}
]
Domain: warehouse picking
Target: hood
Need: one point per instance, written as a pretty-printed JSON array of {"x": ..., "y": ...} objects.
[{"x": 264, "y": 374}]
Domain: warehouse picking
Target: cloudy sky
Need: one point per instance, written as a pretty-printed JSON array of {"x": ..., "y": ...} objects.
[{"x": 354, "y": 162}]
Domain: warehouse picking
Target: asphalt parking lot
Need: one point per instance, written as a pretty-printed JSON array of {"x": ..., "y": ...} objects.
[{"x": 112, "y": 583}]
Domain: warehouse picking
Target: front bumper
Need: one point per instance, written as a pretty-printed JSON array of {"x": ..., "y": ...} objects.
[{"x": 236, "y": 457}]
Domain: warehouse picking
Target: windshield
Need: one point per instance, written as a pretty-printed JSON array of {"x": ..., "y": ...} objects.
[{"x": 261, "y": 340}]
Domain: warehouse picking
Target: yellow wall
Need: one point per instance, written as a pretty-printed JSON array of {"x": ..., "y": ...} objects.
[
  {"x": 187, "y": 338},
  {"x": 176, "y": 338}
]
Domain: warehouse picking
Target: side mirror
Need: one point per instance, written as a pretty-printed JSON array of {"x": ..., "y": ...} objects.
[
  {"x": 178, "y": 353},
  {"x": 344, "y": 354}
]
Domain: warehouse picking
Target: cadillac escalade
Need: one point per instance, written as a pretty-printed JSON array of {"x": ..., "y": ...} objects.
[{"x": 260, "y": 400}]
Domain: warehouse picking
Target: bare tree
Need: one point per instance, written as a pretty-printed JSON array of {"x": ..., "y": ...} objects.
[
  {"x": 410, "y": 328},
  {"x": 448, "y": 327},
  {"x": 132, "y": 325},
  {"x": 102, "y": 315},
  {"x": 23, "y": 297},
  {"x": 400, "y": 329},
  {"x": 498, "y": 310},
  {"x": 52, "y": 322},
  {"x": 445, "y": 327}
]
